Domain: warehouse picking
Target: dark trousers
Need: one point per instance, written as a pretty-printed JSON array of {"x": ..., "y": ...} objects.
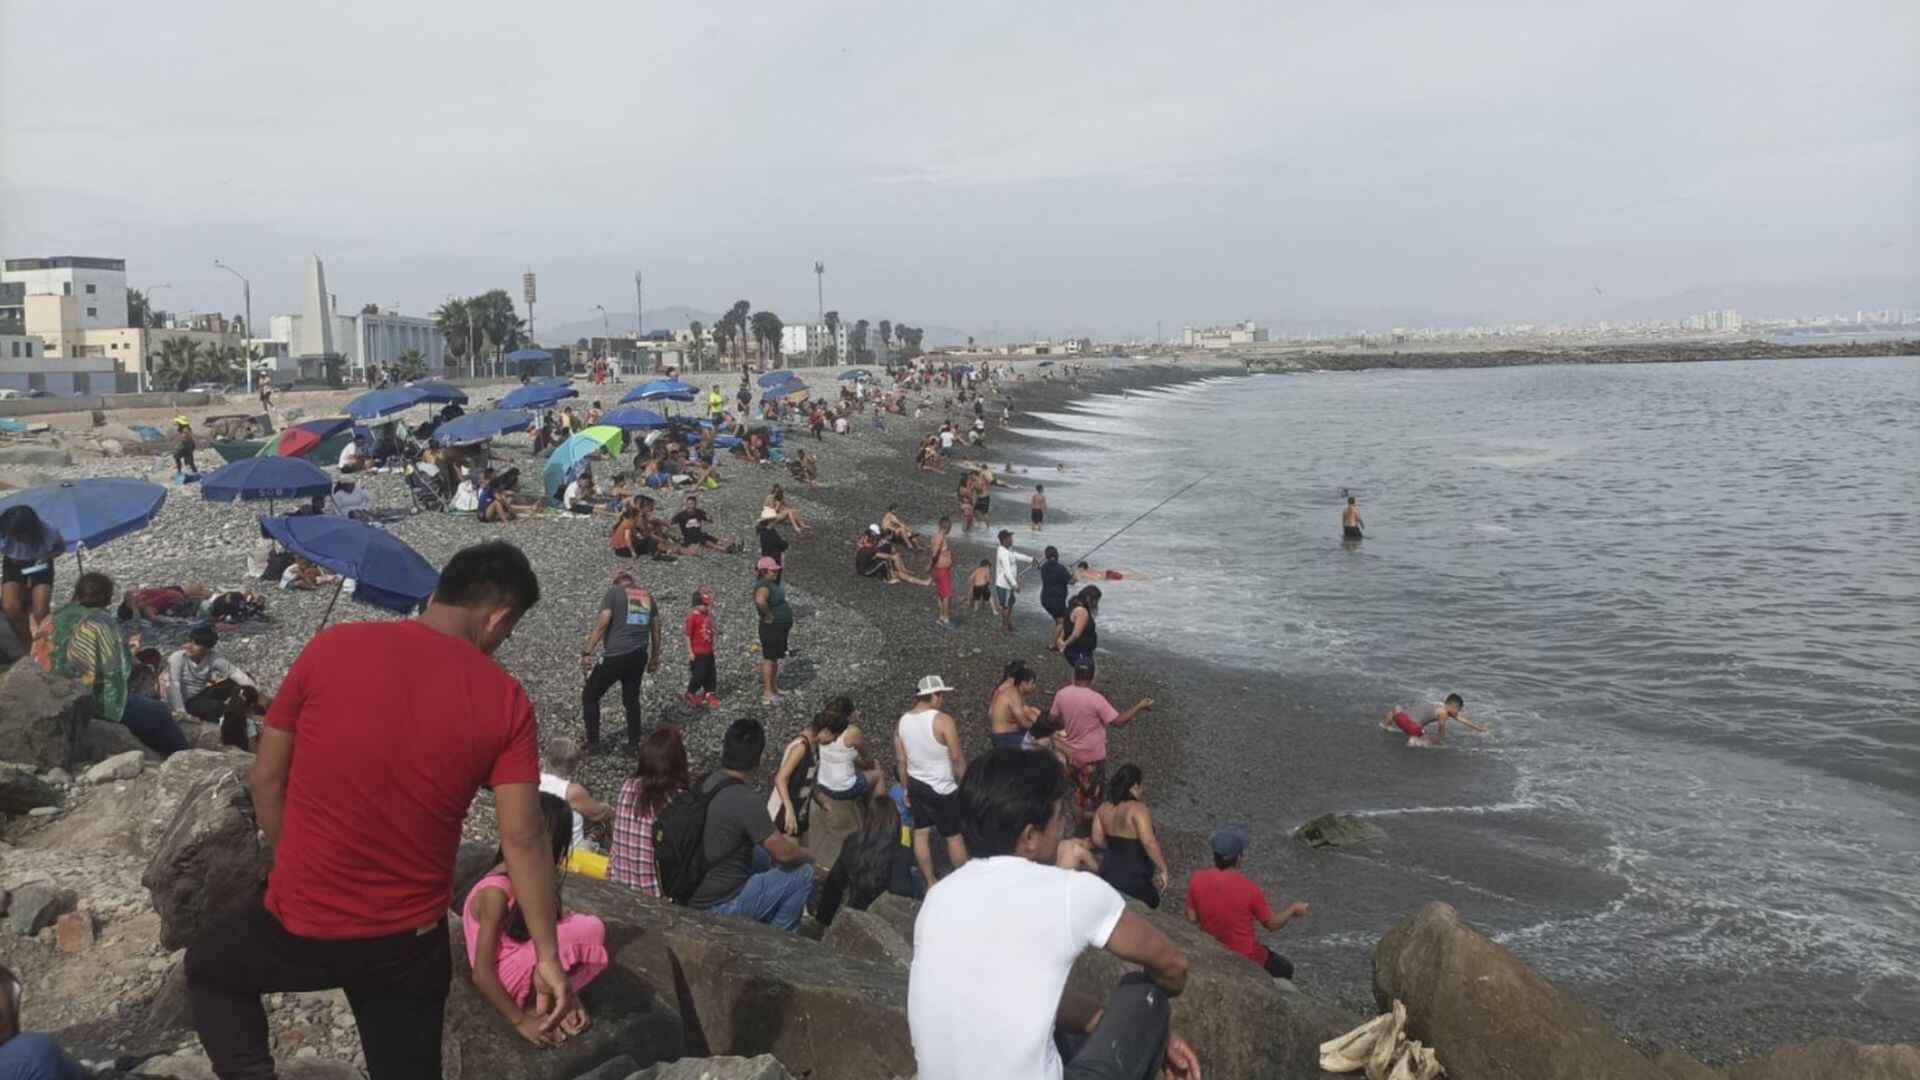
[
  {"x": 701, "y": 678},
  {"x": 396, "y": 985},
  {"x": 1278, "y": 966},
  {"x": 1129, "y": 1042},
  {"x": 627, "y": 669},
  {"x": 152, "y": 723}
]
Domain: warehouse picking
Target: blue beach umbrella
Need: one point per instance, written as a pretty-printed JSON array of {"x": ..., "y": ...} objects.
[
  {"x": 442, "y": 392},
  {"x": 856, "y": 373},
  {"x": 540, "y": 395},
  {"x": 481, "y": 426},
  {"x": 633, "y": 418},
  {"x": 378, "y": 403},
  {"x": 255, "y": 478},
  {"x": 661, "y": 390},
  {"x": 772, "y": 377},
  {"x": 89, "y": 513},
  {"x": 386, "y": 573},
  {"x": 791, "y": 388}
]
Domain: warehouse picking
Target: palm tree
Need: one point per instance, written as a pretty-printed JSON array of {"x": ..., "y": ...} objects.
[
  {"x": 858, "y": 343},
  {"x": 178, "y": 363},
  {"x": 409, "y": 365},
  {"x": 456, "y": 325},
  {"x": 138, "y": 311},
  {"x": 909, "y": 340},
  {"x": 886, "y": 336},
  {"x": 697, "y": 350},
  {"x": 737, "y": 321},
  {"x": 766, "y": 330},
  {"x": 220, "y": 364},
  {"x": 833, "y": 337}
]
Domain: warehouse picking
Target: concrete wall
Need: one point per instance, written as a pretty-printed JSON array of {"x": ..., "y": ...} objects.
[{"x": 47, "y": 406}]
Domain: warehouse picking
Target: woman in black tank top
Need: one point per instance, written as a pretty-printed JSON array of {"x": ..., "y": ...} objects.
[
  {"x": 1133, "y": 863},
  {"x": 1082, "y": 632}
]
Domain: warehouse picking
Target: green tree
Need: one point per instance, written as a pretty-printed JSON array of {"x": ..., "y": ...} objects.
[
  {"x": 409, "y": 365},
  {"x": 139, "y": 312},
  {"x": 178, "y": 363},
  {"x": 697, "y": 349},
  {"x": 909, "y": 340},
  {"x": 833, "y": 337},
  {"x": 857, "y": 342},
  {"x": 370, "y": 308},
  {"x": 736, "y": 318},
  {"x": 886, "y": 335},
  {"x": 766, "y": 331},
  {"x": 221, "y": 364}
]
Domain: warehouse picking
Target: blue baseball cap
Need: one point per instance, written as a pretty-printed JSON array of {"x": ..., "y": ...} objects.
[{"x": 1230, "y": 843}]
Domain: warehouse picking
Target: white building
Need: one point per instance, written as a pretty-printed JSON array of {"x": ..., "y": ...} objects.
[
  {"x": 98, "y": 286},
  {"x": 377, "y": 338},
  {"x": 1221, "y": 337},
  {"x": 810, "y": 339}
]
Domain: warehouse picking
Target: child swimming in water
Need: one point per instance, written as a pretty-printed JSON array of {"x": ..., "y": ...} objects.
[{"x": 1416, "y": 730}]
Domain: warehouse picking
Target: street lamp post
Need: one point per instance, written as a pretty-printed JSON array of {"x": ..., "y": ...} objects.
[
  {"x": 820, "y": 290},
  {"x": 246, "y": 290}
]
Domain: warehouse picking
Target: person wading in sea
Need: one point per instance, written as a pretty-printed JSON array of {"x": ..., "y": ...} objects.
[{"x": 1350, "y": 523}]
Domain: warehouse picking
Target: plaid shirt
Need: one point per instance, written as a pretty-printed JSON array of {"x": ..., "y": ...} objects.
[{"x": 630, "y": 861}]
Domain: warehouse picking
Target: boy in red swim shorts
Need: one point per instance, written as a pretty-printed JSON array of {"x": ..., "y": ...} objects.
[{"x": 1416, "y": 730}]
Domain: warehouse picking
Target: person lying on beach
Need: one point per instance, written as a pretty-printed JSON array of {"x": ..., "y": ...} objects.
[
  {"x": 352, "y": 501},
  {"x": 980, "y": 587},
  {"x": 1083, "y": 572},
  {"x": 163, "y": 605},
  {"x": 304, "y": 576},
  {"x": 875, "y": 558},
  {"x": 1438, "y": 717}
]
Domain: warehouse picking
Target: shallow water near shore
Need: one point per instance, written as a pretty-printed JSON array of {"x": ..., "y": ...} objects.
[{"x": 1686, "y": 596}]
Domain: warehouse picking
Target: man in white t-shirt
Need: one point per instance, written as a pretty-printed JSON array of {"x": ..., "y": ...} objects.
[
  {"x": 353, "y": 456},
  {"x": 1006, "y": 577},
  {"x": 995, "y": 941}
]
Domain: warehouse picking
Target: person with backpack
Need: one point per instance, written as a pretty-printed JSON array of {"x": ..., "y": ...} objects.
[{"x": 718, "y": 851}]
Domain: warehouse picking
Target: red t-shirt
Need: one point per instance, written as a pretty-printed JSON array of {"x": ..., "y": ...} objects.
[
  {"x": 1227, "y": 905},
  {"x": 395, "y": 726},
  {"x": 700, "y": 633}
]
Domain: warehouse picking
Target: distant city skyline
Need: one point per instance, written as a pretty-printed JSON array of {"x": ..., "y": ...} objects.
[{"x": 995, "y": 168}]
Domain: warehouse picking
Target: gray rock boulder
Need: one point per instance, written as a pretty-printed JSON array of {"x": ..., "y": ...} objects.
[
  {"x": 125, "y": 765},
  {"x": 130, "y": 818},
  {"x": 103, "y": 739},
  {"x": 1487, "y": 1014},
  {"x": 899, "y": 913},
  {"x": 42, "y": 719},
  {"x": 194, "y": 1066},
  {"x": 861, "y": 933},
  {"x": 1832, "y": 1059},
  {"x": 1238, "y": 1021},
  {"x": 21, "y": 791},
  {"x": 1338, "y": 830},
  {"x": 764, "y": 1067},
  {"x": 635, "y": 1017},
  {"x": 209, "y": 858},
  {"x": 32, "y": 908},
  {"x": 746, "y": 989}
]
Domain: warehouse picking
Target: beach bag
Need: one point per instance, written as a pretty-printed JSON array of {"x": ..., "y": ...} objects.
[
  {"x": 237, "y": 607},
  {"x": 680, "y": 840}
]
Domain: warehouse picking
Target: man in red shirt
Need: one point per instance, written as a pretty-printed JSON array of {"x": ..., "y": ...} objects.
[
  {"x": 371, "y": 754},
  {"x": 1226, "y": 904}
]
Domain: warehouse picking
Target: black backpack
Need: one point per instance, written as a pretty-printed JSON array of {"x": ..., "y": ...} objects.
[{"x": 680, "y": 839}]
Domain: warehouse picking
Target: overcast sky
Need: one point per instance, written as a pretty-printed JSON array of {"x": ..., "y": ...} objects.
[{"x": 996, "y": 167}]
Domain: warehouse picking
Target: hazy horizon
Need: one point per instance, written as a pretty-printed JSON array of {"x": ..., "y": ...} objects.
[{"x": 996, "y": 168}]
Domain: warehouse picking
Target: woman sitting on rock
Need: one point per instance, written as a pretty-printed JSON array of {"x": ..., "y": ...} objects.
[
  {"x": 88, "y": 648},
  {"x": 500, "y": 949},
  {"x": 660, "y": 772},
  {"x": 1124, "y": 827},
  {"x": 872, "y": 862}
]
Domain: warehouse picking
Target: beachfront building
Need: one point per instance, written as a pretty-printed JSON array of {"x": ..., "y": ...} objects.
[
  {"x": 124, "y": 354},
  {"x": 97, "y": 286},
  {"x": 1222, "y": 337},
  {"x": 13, "y": 307},
  {"x": 809, "y": 340},
  {"x": 368, "y": 338}
]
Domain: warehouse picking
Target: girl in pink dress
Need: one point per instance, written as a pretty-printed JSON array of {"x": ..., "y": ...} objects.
[{"x": 501, "y": 952}]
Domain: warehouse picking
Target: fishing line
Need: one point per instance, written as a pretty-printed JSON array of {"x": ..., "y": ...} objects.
[{"x": 1116, "y": 533}]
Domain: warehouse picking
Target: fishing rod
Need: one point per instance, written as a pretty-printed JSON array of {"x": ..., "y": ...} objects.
[{"x": 1116, "y": 533}]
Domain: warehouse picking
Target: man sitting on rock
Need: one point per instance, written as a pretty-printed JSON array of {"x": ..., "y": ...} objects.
[
  {"x": 753, "y": 870},
  {"x": 996, "y": 939},
  {"x": 1226, "y": 904}
]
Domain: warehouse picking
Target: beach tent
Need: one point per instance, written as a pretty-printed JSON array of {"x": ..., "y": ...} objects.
[
  {"x": 386, "y": 573},
  {"x": 530, "y": 359},
  {"x": 270, "y": 478},
  {"x": 377, "y": 403},
  {"x": 569, "y": 459},
  {"x": 440, "y": 392},
  {"x": 481, "y": 426},
  {"x": 540, "y": 395},
  {"x": 91, "y": 512},
  {"x": 303, "y": 438}
]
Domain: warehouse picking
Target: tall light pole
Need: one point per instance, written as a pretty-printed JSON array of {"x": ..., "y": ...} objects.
[
  {"x": 246, "y": 289},
  {"x": 820, "y": 292},
  {"x": 606, "y": 327},
  {"x": 639, "y": 308}
]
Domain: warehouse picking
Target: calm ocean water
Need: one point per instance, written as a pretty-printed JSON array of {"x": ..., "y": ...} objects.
[{"x": 1686, "y": 596}]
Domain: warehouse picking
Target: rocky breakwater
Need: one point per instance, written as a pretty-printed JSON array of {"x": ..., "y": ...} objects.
[{"x": 1491, "y": 1017}]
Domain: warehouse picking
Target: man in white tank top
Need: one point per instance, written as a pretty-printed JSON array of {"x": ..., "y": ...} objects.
[{"x": 926, "y": 752}]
